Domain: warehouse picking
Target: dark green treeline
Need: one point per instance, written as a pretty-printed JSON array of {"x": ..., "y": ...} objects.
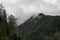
[{"x": 7, "y": 26}]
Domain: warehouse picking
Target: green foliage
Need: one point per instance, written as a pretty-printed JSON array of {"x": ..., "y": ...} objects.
[
  {"x": 8, "y": 29},
  {"x": 3, "y": 25},
  {"x": 11, "y": 27},
  {"x": 42, "y": 27},
  {"x": 56, "y": 36}
]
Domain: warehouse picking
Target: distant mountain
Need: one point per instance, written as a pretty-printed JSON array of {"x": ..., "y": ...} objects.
[{"x": 40, "y": 27}]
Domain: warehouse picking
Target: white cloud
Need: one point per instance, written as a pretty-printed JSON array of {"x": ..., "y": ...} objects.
[
  {"x": 51, "y": 1},
  {"x": 30, "y": 6},
  {"x": 23, "y": 9}
]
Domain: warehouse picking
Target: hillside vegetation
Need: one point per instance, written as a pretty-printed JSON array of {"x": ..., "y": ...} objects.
[{"x": 42, "y": 27}]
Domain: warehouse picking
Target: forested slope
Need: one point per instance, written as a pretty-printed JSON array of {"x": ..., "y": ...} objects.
[{"x": 42, "y": 27}]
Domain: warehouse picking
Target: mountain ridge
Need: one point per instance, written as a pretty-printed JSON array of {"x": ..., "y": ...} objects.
[{"x": 41, "y": 24}]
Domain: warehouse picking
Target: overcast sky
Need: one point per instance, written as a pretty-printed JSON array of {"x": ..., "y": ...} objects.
[{"x": 23, "y": 9}]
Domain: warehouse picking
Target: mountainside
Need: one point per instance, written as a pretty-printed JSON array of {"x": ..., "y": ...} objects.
[{"x": 40, "y": 27}]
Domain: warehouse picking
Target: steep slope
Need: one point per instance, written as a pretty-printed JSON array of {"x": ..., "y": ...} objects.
[{"x": 37, "y": 28}]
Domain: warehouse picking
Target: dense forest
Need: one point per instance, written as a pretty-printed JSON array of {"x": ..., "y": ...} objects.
[
  {"x": 41, "y": 27},
  {"x": 8, "y": 26}
]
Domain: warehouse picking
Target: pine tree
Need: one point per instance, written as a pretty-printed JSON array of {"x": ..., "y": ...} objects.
[
  {"x": 12, "y": 27},
  {"x": 3, "y": 23}
]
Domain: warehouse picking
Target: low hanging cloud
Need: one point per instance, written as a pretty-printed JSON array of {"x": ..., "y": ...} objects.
[{"x": 23, "y": 9}]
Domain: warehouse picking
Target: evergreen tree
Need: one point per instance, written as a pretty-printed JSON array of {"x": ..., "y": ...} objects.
[
  {"x": 3, "y": 23},
  {"x": 12, "y": 25}
]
